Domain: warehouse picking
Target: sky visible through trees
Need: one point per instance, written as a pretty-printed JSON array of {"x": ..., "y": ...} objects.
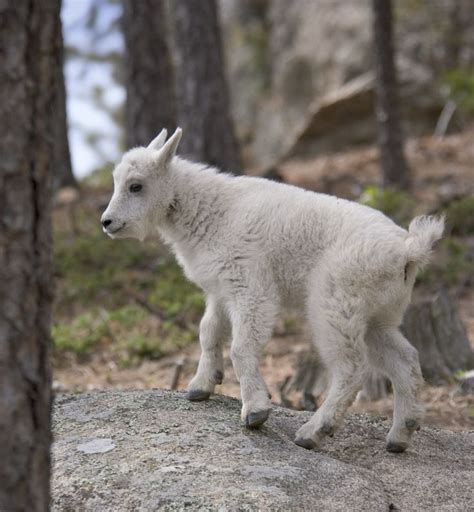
[{"x": 87, "y": 123}]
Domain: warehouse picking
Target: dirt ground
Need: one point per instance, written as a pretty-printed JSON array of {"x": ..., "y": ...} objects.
[{"x": 441, "y": 169}]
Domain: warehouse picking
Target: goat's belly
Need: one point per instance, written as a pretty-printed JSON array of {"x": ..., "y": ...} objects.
[{"x": 292, "y": 278}]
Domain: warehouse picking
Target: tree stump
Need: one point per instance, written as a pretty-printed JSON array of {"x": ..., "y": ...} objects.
[{"x": 431, "y": 324}]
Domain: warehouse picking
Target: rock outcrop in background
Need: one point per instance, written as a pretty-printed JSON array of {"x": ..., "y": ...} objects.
[
  {"x": 287, "y": 61},
  {"x": 153, "y": 450}
]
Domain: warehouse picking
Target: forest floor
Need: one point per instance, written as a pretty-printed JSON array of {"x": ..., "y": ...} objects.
[
  {"x": 124, "y": 316},
  {"x": 445, "y": 406}
]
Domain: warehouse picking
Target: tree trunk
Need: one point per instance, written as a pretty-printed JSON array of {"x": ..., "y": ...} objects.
[
  {"x": 202, "y": 92},
  {"x": 29, "y": 58},
  {"x": 432, "y": 325},
  {"x": 453, "y": 39},
  {"x": 395, "y": 170},
  {"x": 150, "y": 104},
  {"x": 63, "y": 176}
]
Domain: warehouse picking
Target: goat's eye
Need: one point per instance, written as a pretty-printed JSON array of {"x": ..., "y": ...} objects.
[{"x": 135, "y": 187}]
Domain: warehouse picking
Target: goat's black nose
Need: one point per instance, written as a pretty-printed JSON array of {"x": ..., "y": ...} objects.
[{"x": 106, "y": 222}]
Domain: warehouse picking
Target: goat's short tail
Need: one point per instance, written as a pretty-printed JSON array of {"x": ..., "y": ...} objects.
[{"x": 422, "y": 234}]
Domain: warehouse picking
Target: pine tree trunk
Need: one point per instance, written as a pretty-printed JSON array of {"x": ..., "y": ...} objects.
[
  {"x": 29, "y": 59},
  {"x": 395, "y": 170},
  {"x": 63, "y": 176},
  {"x": 433, "y": 326},
  {"x": 150, "y": 104},
  {"x": 202, "y": 92}
]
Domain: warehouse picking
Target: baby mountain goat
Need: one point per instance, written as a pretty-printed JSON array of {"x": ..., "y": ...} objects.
[{"x": 254, "y": 246}]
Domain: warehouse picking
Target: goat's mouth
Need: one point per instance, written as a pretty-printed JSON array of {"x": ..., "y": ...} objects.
[{"x": 113, "y": 232}]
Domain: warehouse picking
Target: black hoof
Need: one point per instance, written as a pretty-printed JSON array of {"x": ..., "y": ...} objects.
[
  {"x": 218, "y": 377},
  {"x": 309, "y": 444},
  {"x": 256, "y": 419},
  {"x": 396, "y": 447},
  {"x": 198, "y": 395}
]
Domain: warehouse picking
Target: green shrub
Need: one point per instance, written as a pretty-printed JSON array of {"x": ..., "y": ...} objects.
[
  {"x": 84, "y": 332},
  {"x": 174, "y": 294},
  {"x": 93, "y": 268},
  {"x": 451, "y": 266},
  {"x": 461, "y": 88},
  {"x": 394, "y": 203},
  {"x": 143, "y": 347},
  {"x": 460, "y": 216},
  {"x": 130, "y": 332},
  {"x": 129, "y": 315}
]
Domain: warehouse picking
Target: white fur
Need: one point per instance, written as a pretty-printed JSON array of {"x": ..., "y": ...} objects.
[{"x": 254, "y": 246}]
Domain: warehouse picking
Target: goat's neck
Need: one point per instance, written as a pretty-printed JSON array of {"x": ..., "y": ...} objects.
[{"x": 192, "y": 213}]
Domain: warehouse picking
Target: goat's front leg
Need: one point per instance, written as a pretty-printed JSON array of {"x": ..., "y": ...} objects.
[
  {"x": 213, "y": 330},
  {"x": 250, "y": 332}
]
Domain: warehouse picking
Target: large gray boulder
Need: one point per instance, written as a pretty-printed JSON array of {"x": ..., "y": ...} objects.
[{"x": 153, "y": 450}]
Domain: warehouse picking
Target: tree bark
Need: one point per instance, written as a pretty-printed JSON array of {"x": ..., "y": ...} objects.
[
  {"x": 63, "y": 176},
  {"x": 202, "y": 92},
  {"x": 150, "y": 104},
  {"x": 433, "y": 326},
  {"x": 29, "y": 57},
  {"x": 395, "y": 171}
]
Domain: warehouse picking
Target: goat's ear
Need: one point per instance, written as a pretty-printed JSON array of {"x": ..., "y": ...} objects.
[
  {"x": 168, "y": 151},
  {"x": 158, "y": 141}
]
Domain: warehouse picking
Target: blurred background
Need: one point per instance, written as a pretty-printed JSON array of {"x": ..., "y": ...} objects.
[{"x": 316, "y": 93}]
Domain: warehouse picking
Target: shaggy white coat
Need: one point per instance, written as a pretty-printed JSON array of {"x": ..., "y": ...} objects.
[{"x": 254, "y": 246}]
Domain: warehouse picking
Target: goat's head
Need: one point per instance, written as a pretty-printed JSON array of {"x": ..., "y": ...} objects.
[{"x": 142, "y": 189}]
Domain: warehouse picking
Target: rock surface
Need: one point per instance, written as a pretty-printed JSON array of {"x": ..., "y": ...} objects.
[{"x": 164, "y": 453}]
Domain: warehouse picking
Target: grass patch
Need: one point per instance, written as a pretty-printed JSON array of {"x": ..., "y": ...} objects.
[
  {"x": 175, "y": 295},
  {"x": 93, "y": 267},
  {"x": 80, "y": 335}
]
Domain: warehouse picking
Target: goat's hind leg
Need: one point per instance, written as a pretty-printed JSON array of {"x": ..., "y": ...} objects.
[
  {"x": 392, "y": 355},
  {"x": 346, "y": 362},
  {"x": 213, "y": 330}
]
